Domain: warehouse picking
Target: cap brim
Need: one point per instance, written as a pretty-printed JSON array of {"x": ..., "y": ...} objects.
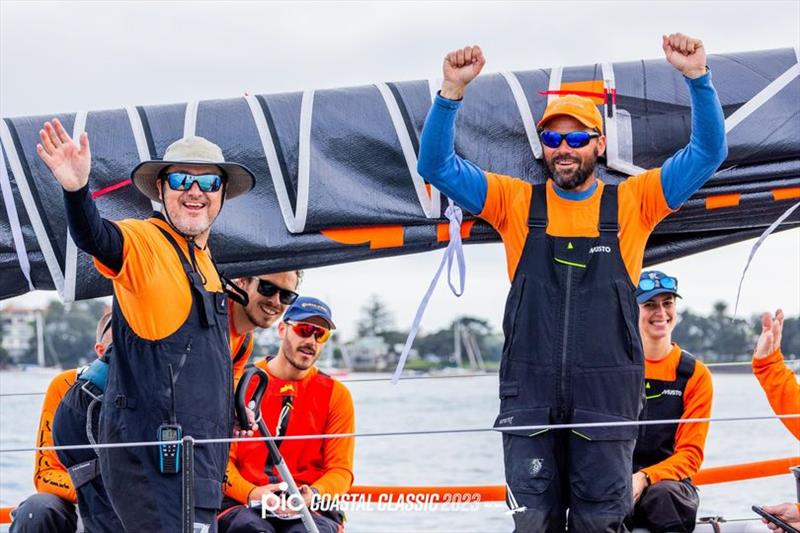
[
  {"x": 306, "y": 316},
  {"x": 642, "y": 298},
  {"x": 239, "y": 178},
  {"x": 546, "y": 118}
]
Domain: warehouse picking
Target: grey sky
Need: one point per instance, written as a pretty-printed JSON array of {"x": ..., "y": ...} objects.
[{"x": 57, "y": 57}]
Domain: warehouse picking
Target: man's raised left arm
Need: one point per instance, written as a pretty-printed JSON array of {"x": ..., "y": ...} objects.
[{"x": 689, "y": 168}]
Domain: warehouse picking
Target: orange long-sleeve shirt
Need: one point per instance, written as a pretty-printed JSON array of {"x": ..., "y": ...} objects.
[
  {"x": 50, "y": 475},
  {"x": 237, "y": 340},
  {"x": 690, "y": 439},
  {"x": 333, "y": 457},
  {"x": 782, "y": 388},
  {"x": 641, "y": 205}
]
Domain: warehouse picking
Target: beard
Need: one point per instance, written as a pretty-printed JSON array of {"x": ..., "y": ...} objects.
[
  {"x": 298, "y": 361},
  {"x": 569, "y": 180},
  {"x": 192, "y": 227},
  {"x": 259, "y": 317}
]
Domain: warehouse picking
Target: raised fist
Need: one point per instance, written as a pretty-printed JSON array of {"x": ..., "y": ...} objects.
[
  {"x": 461, "y": 67},
  {"x": 685, "y": 53}
]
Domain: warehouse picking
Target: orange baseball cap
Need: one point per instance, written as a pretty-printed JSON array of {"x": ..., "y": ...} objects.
[{"x": 571, "y": 105}]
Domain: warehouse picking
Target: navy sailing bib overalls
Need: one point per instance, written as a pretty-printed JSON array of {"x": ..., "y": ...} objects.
[
  {"x": 138, "y": 400},
  {"x": 668, "y": 505},
  {"x": 572, "y": 354},
  {"x": 70, "y": 427},
  {"x": 664, "y": 401}
]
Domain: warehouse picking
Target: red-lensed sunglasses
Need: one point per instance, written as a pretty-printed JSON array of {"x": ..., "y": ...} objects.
[{"x": 305, "y": 330}]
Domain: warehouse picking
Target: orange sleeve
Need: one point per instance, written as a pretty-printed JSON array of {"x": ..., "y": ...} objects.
[
  {"x": 690, "y": 438},
  {"x": 641, "y": 207},
  {"x": 337, "y": 454},
  {"x": 235, "y": 485},
  {"x": 137, "y": 254},
  {"x": 650, "y": 206},
  {"x": 50, "y": 475},
  {"x": 236, "y": 345},
  {"x": 782, "y": 388},
  {"x": 506, "y": 208}
]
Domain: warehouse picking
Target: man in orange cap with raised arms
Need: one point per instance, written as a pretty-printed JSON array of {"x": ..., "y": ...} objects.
[{"x": 574, "y": 248}]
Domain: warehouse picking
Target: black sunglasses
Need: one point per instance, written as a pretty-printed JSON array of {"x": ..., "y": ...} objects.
[{"x": 269, "y": 289}]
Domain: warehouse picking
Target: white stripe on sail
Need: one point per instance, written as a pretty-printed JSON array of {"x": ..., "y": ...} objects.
[
  {"x": 762, "y": 97},
  {"x": 295, "y": 222},
  {"x": 30, "y": 207},
  {"x": 524, "y": 112},
  {"x": 555, "y": 83},
  {"x": 71, "y": 255},
  {"x": 190, "y": 119},
  {"x": 13, "y": 221},
  {"x": 430, "y": 205},
  {"x": 434, "y": 84},
  {"x": 141, "y": 142}
]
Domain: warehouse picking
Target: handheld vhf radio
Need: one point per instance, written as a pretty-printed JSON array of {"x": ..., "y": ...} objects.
[{"x": 169, "y": 453}]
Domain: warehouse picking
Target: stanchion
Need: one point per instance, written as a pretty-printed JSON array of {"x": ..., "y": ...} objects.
[
  {"x": 796, "y": 471},
  {"x": 187, "y": 477}
]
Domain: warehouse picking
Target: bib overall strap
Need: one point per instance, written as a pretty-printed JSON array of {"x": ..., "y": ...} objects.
[
  {"x": 537, "y": 215},
  {"x": 196, "y": 280},
  {"x": 609, "y": 211}
]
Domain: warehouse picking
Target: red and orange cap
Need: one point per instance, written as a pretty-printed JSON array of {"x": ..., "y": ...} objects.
[{"x": 578, "y": 107}]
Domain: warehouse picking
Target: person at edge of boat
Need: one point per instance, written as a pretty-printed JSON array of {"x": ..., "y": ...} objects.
[
  {"x": 76, "y": 418},
  {"x": 300, "y": 400},
  {"x": 783, "y": 393},
  {"x": 574, "y": 248},
  {"x": 172, "y": 362},
  {"x": 268, "y": 296},
  {"x": 52, "y": 508},
  {"x": 677, "y": 385}
]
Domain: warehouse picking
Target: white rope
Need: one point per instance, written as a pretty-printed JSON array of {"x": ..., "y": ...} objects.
[
  {"x": 532, "y": 428},
  {"x": 454, "y": 247},
  {"x": 755, "y": 248}
]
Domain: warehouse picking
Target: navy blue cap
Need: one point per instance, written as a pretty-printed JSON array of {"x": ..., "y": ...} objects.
[
  {"x": 658, "y": 282},
  {"x": 306, "y": 307}
]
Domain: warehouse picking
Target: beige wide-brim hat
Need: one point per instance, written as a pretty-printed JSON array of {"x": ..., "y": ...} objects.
[{"x": 194, "y": 151}]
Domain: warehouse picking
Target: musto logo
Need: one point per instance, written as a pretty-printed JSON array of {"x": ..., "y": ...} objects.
[{"x": 603, "y": 249}]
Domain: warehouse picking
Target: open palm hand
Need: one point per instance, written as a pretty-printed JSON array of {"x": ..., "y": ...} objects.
[{"x": 69, "y": 162}]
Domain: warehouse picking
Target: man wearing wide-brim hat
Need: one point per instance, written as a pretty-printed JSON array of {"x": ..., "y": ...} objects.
[{"x": 170, "y": 374}]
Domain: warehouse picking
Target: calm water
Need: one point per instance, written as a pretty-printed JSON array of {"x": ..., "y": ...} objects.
[{"x": 453, "y": 459}]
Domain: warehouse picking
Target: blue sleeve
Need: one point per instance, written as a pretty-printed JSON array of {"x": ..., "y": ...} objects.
[
  {"x": 690, "y": 167},
  {"x": 93, "y": 234},
  {"x": 438, "y": 163}
]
